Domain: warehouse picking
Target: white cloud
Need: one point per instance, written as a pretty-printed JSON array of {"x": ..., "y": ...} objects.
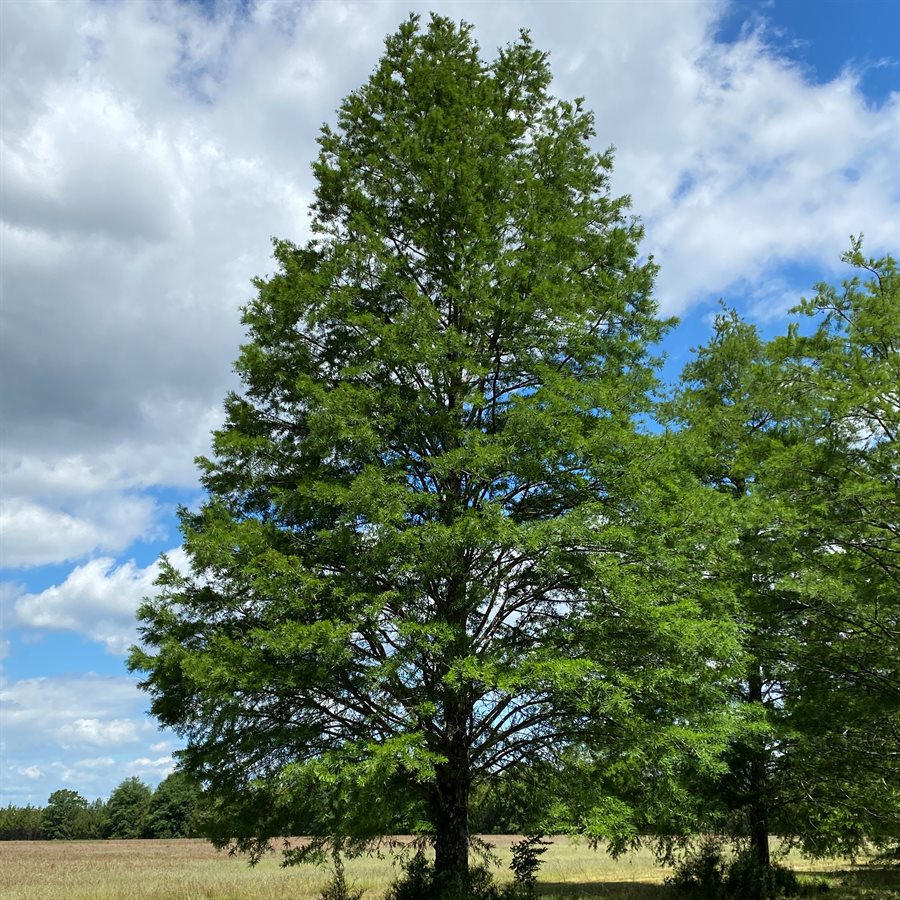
[
  {"x": 160, "y": 764},
  {"x": 152, "y": 149},
  {"x": 32, "y": 534},
  {"x": 96, "y": 762},
  {"x": 49, "y": 723},
  {"x": 37, "y": 710},
  {"x": 97, "y": 599},
  {"x": 94, "y": 731},
  {"x": 771, "y": 169}
]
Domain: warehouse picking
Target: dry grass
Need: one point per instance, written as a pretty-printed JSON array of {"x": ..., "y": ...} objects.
[{"x": 165, "y": 870}]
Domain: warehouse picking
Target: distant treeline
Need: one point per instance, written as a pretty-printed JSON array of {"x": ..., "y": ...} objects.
[
  {"x": 178, "y": 806},
  {"x": 133, "y": 810}
]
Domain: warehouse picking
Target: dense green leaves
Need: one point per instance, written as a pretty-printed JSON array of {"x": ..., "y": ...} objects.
[
  {"x": 62, "y": 813},
  {"x": 127, "y": 810},
  {"x": 21, "y": 823},
  {"x": 174, "y": 808},
  {"x": 800, "y": 434},
  {"x": 845, "y": 485},
  {"x": 436, "y": 546}
]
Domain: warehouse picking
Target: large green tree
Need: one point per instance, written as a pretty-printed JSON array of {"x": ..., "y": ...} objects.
[
  {"x": 175, "y": 808},
  {"x": 843, "y": 486},
  {"x": 800, "y": 434},
  {"x": 436, "y": 542}
]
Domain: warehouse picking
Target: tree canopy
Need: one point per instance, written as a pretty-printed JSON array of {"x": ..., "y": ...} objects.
[
  {"x": 436, "y": 543},
  {"x": 127, "y": 810},
  {"x": 800, "y": 434}
]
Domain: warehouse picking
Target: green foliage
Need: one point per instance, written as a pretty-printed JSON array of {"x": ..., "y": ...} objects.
[
  {"x": 436, "y": 545},
  {"x": 420, "y": 879},
  {"x": 845, "y": 489},
  {"x": 705, "y": 871},
  {"x": 61, "y": 815},
  {"x": 90, "y": 824},
  {"x": 127, "y": 810},
  {"x": 174, "y": 809},
  {"x": 337, "y": 888},
  {"x": 21, "y": 823},
  {"x": 416, "y": 879},
  {"x": 799, "y": 435},
  {"x": 746, "y": 879},
  {"x": 701, "y": 869},
  {"x": 526, "y": 861}
]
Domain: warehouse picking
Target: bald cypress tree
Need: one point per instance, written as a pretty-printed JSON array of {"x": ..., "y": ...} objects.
[
  {"x": 800, "y": 434},
  {"x": 436, "y": 545}
]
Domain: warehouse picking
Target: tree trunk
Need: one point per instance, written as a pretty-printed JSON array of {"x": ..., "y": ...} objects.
[
  {"x": 452, "y": 783},
  {"x": 451, "y": 840},
  {"x": 453, "y": 777},
  {"x": 758, "y": 812}
]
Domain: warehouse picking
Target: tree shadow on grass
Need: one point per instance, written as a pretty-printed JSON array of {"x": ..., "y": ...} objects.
[
  {"x": 868, "y": 882},
  {"x": 614, "y": 890},
  {"x": 862, "y": 878}
]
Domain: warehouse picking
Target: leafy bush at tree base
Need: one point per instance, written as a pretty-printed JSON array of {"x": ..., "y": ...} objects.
[
  {"x": 746, "y": 879},
  {"x": 705, "y": 872},
  {"x": 337, "y": 888},
  {"x": 702, "y": 870},
  {"x": 420, "y": 880}
]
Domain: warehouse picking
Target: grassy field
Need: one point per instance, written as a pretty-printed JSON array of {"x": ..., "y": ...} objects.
[{"x": 165, "y": 870}]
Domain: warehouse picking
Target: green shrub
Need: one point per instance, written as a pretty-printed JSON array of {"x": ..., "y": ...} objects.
[
  {"x": 419, "y": 881},
  {"x": 706, "y": 873},
  {"x": 416, "y": 880},
  {"x": 337, "y": 888},
  {"x": 702, "y": 870},
  {"x": 746, "y": 879},
  {"x": 526, "y": 861}
]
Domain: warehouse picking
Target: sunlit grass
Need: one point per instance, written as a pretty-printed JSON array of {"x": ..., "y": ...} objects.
[{"x": 165, "y": 870}]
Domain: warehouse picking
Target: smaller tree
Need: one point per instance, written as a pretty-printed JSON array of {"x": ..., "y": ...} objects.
[
  {"x": 127, "y": 809},
  {"x": 845, "y": 488},
  {"x": 799, "y": 433},
  {"x": 60, "y": 818},
  {"x": 174, "y": 808},
  {"x": 90, "y": 823}
]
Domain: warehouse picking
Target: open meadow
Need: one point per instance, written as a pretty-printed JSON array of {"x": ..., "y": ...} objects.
[{"x": 165, "y": 870}]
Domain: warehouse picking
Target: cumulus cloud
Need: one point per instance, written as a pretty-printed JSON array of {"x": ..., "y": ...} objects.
[
  {"x": 37, "y": 710},
  {"x": 98, "y": 599},
  {"x": 148, "y": 164},
  {"x": 52, "y": 725},
  {"x": 774, "y": 170},
  {"x": 35, "y": 534},
  {"x": 151, "y": 150},
  {"x": 94, "y": 731}
]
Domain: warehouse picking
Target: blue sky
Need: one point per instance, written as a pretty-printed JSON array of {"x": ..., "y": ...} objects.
[{"x": 150, "y": 151}]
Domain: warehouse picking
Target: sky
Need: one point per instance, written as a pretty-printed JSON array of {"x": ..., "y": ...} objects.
[{"x": 151, "y": 150}]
